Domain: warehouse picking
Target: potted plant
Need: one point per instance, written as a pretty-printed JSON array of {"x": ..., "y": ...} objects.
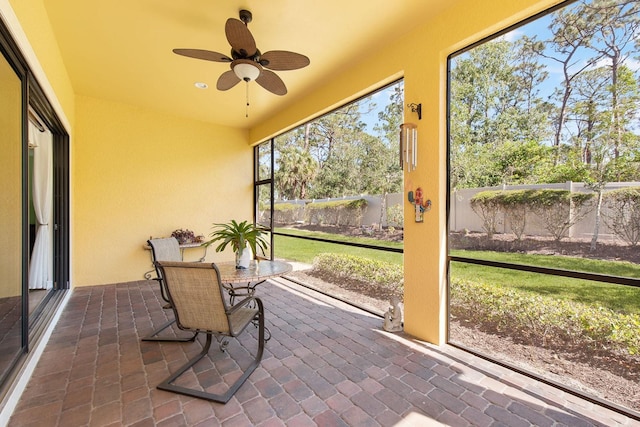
[{"x": 241, "y": 235}]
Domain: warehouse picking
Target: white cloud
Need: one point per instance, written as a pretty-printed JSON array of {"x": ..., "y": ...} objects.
[
  {"x": 632, "y": 63},
  {"x": 512, "y": 35}
]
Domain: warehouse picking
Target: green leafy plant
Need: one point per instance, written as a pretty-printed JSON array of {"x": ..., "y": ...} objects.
[
  {"x": 559, "y": 210},
  {"x": 238, "y": 235},
  {"x": 288, "y": 213},
  {"x": 544, "y": 320},
  {"x": 376, "y": 272},
  {"x": 486, "y": 206},
  {"x": 336, "y": 212},
  {"x": 623, "y": 215},
  {"x": 514, "y": 204},
  {"x": 395, "y": 215}
]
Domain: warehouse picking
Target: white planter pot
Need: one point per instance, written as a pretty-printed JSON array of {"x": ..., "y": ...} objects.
[{"x": 243, "y": 259}]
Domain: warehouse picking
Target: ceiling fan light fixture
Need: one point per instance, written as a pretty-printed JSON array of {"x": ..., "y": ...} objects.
[
  {"x": 246, "y": 71},
  {"x": 246, "y": 62}
]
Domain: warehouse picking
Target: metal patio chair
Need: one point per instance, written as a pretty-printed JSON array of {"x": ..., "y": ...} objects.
[
  {"x": 165, "y": 249},
  {"x": 199, "y": 305}
]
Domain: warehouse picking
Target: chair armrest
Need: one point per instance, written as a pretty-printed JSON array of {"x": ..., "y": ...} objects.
[{"x": 243, "y": 303}]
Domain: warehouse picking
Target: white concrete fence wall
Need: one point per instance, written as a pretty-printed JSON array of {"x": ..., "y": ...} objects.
[
  {"x": 463, "y": 218},
  {"x": 372, "y": 214}
]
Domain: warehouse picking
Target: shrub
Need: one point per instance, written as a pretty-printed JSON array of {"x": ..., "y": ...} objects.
[
  {"x": 623, "y": 214},
  {"x": 559, "y": 210},
  {"x": 336, "y": 212},
  {"x": 515, "y": 203},
  {"x": 395, "y": 215},
  {"x": 485, "y": 205},
  {"x": 345, "y": 266},
  {"x": 544, "y": 320},
  {"x": 288, "y": 213}
]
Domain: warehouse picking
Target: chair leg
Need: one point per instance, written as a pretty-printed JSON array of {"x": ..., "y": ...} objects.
[
  {"x": 153, "y": 337},
  {"x": 223, "y": 397}
]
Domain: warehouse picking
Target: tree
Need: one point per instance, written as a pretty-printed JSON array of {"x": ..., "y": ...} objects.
[
  {"x": 500, "y": 136},
  {"x": 617, "y": 24},
  {"x": 487, "y": 206},
  {"x": 532, "y": 110},
  {"x": 522, "y": 162},
  {"x": 604, "y": 137},
  {"x": 337, "y": 154},
  {"x": 571, "y": 35},
  {"x": 381, "y": 166},
  {"x": 296, "y": 170},
  {"x": 495, "y": 106}
]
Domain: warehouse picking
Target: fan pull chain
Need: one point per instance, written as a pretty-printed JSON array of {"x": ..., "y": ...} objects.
[{"x": 247, "y": 111}]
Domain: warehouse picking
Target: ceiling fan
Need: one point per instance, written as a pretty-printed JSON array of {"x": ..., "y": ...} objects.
[{"x": 246, "y": 61}]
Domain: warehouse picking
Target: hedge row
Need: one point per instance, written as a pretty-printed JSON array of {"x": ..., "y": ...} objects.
[
  {"x": 543, "y": 320},
  {"x": 557, "y": 210},
  {"x": 333, "y": 212},
  {"x": 379, "y": 273}
]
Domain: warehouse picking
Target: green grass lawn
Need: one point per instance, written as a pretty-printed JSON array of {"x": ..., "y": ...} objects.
[
  {"x": 306, "y": 250},
  {"x": 616, "y": 297},
  {"x": 619, "y": 298},
  {"x": 610, "y": 268}
]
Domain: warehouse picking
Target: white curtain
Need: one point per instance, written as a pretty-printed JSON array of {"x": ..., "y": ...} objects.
[{"x": 41, "y": 257}]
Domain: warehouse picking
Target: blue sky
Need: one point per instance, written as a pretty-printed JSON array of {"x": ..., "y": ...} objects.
[
  {"x": 380, "y": 99},
  {"x": 539, "y": 29}
]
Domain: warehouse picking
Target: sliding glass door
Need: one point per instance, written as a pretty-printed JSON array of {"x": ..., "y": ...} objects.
[
  {"x": 12, "y": 316},
  {"x": 34, "y": 211}
]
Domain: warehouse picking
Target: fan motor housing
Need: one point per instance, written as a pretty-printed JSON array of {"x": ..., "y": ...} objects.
[{"x": 245, "y": 16}]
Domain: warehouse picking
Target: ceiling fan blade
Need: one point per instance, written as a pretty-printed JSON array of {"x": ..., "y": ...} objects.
[
  {"x": 207, "y": 55},
  {"x": 281, "y": 60},
  {"x": 240, "y": 37},
  {"x": 271, "y": 82},
  {"x": 227, "y": 80}
]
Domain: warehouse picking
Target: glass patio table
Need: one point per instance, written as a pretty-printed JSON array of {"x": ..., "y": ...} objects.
[{"x": 243, "y": 282}]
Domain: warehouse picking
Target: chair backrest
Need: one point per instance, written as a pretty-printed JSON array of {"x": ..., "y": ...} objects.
[
  {"x": 196, "y": 295},
  {"x": 165, "y": 249}
]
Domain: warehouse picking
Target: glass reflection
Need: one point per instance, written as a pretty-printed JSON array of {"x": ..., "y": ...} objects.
[{"x": 10, "y": 217}]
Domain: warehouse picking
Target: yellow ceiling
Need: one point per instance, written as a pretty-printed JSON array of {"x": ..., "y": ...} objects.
[{"x": 120, "y": 50}]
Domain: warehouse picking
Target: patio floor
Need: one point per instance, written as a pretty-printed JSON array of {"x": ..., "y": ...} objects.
[{"x": 327, "y": 364}]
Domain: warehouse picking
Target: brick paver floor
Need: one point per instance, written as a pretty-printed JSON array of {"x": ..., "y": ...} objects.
[{"x": 327, "y": 364}]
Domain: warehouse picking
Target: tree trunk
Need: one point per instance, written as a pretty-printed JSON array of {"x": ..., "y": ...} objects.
[
  {"x": 383, "y": 207},
  {"x": 596, "y": 228}
]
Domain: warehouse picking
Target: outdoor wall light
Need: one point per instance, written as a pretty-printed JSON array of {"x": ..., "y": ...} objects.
[{"x": 416, "y": 108}]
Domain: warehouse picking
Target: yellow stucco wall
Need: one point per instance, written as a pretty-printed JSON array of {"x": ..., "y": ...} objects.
[
  {"x": 139, "y": 173},
  {"x": 119, "y": 198},
  {"x": 421, "y": 57},
  {"x": 11, "y": 179},
  {"x": 29, "y": 24}
]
